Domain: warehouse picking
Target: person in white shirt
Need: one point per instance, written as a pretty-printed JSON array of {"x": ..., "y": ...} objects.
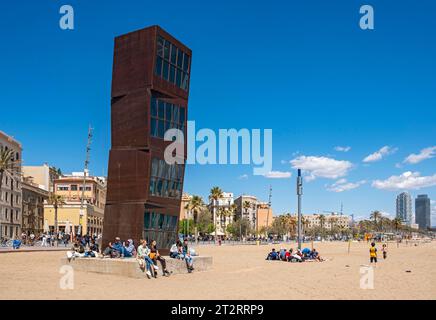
[{"x": 143, "y": 252}]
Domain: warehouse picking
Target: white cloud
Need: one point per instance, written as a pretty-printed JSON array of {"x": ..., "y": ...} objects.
[
  {"x": 340, "y": 181},
  {"x": 426, "y": 153},
  {"x": 278, "y": 174},
  {"x": 387, "y": 214},
  {"x": 243, "y": 177},
  {"x": 322, "y": 167},
  {"x": 342, "y": 185},
  {"x": 405, "y": 181},
  {"x": 343, "y": 149},
  {"x": 378, "y": 155}
]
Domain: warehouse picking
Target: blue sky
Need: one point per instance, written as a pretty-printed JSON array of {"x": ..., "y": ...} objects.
[{"x": 305, "y": 70}]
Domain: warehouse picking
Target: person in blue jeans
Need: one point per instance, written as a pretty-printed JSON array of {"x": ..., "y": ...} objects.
[
  {"x": 129, "y": 249},
  {"x": 143, "y": 253},
  {"x": 112, "y": 247},
  {"x": 186, "y": 254}
]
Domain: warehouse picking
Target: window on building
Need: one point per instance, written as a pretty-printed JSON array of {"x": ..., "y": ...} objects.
[
  {"x": 160, "y": 227},
  {"x": 165, "y": 116},
  {"x": 63, "y": 187},
  {"x": 165, "y": 179},
  {"x": 74, "y": 187},
  {"x": 172, "y": 64}
]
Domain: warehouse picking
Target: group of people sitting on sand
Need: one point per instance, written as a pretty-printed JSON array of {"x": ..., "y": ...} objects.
[
  {"x": 147, "y": 256},
  {"x": 294, "y": 256}
]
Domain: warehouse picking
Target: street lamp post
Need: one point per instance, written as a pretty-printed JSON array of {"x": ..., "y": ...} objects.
[{"x": 299, "y": 194}]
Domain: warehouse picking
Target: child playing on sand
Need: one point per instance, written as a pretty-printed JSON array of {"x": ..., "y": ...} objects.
[
  {"x": 385, "y": 251},
  {"x": 373, "y": 254}
]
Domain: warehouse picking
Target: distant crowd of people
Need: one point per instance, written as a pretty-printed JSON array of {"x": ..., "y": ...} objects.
[
  {"x": 147, "y": 256},
  {"x": 48, "y": 239},
  {"x": 294, "y": 256}
]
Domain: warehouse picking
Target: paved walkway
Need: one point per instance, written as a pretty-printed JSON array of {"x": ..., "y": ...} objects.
[{"x": 33, "y": 249}]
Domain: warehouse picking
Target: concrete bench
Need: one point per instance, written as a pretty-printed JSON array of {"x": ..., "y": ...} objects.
[{"x": 129, "y": 267}]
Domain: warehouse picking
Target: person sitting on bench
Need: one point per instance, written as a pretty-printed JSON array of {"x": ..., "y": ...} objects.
[
  {"x": 155, "y": 256},
  {"x": 114, "y": 250}
]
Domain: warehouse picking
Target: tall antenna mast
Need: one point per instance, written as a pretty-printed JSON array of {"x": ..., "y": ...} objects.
[
  {"x": 85, "y": 171},
  {"x": 269, "y": 208},
  {"x": 342, "y": 208}
]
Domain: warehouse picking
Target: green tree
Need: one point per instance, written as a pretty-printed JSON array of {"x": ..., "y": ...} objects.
[
  {"x": 195, "y": 206},
  {"x": 187, "y": 226},
  {"x": 375, "y": 217},
  {"x": 322, "y": 219},
  {"x": 246, "y": 205},
  {"x": 284, "y": 224},
  {"x": 7, "y": 163},
  {"x": 397, "y": 223},
  {"x": 57, "y": 201},
  {"x": 215, "y": 194},
  {"x": 240, "y": 227},
  {"x": 204, "y": 222}
]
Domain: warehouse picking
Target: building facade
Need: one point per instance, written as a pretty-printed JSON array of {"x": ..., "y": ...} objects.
[
  {"x": 404, "y": 208},
  {"x": 33, "y": 200},
  {"x": 264, "y": 216},
  {"x": 150, "y": 88},
  {"x": 311, "y": 221},
  {"x": 184, "y": 211},
  {"x": 85, "y": 219},
  {"x": 246, "y": 207},
  {"x": 70, "y": 187},
  {"x": 423, "y": 212},
  {"x": 224, "y": 212},
  {"x": 44, "y": 176},
  {"x": 10, "y": 190}
]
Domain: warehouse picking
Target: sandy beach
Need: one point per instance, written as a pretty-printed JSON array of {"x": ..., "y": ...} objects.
[{"x": 239, "y": 272}]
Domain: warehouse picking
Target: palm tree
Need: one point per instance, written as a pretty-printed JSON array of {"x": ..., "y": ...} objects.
[
  {"x": 221, "y": 213},
  {"x": 322, "y": 222},
  {"x": 57, "y": 201},
  {"x": 291, "y": 223},
  {"x": 305, "y": 223},
  {"x": 397, "y": 223},
  {"x": 333, "y": 221},
  {"x": 196, "y": 205},
  {"x": 375, "y": 216},
  {"x": 7, "y": 163},
  {"x": 233, "y": 207},
  {"x": 186, "y": 227},
  {"x": 246, "y": 205},
  {"x": 215, "y": 194}
]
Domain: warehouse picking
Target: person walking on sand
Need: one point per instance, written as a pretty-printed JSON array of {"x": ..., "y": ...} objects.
[
  {"x": 373, "y": 254},
  {"x": 385, "y": 251}
]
